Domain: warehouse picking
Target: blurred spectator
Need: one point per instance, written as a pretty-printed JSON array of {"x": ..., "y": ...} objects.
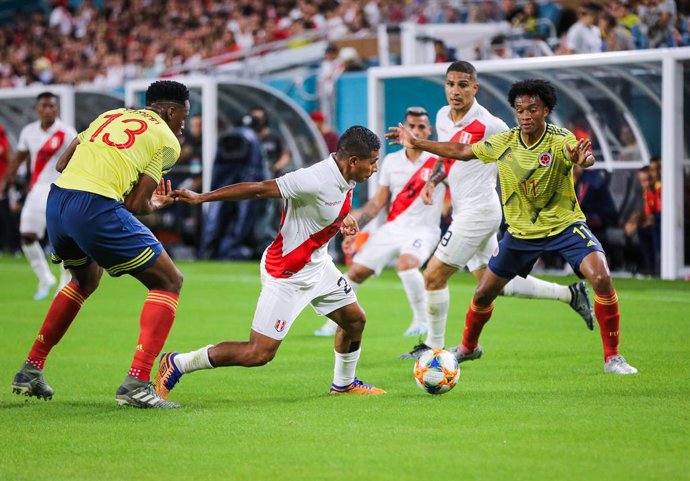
[
  {"x": 527, "y": 20},
  {"x": 511, "y": 10},
  {"x": 658, "y": 22},
  {"x": 487, "y": 11},
  {"x": 621, "y": 10},
  {"x": 629, "y": 149},
  {"x": 641, "y": 224},
  {"x": 442, "y": 53},
  {"x": 329, "y": 136},
  {"x": 500, "y": 48},
  {"x": 330, "y": 69},
  {"x": 9, "y": 226},
  {"x": 615, "y": 38},
  {"x": 275, "y": 152},
  {"x": 350, "y": 59},
  {"x": 584, "y": 36},
  {"x": 596, "y": 201}
]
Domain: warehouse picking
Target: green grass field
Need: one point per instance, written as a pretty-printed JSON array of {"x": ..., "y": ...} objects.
[{"x": 537, "y": 406}]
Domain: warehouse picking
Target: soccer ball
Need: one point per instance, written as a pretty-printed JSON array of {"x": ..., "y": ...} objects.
[{"x": 436, "y": 371}]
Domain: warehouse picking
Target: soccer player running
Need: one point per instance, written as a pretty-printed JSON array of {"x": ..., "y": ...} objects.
[
  {"x": 42, "y": 142},
  {"x": 296, "y": 269},
  {"x": 411, "y": 230},
  {"x": 535, "y": 162},
  {"x": 471, "y": 238},
  {"x": 113, "y": 169}
]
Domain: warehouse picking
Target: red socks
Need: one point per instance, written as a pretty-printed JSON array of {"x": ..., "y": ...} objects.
[
  {"x": 475, "y": 319},
  {"x": 608, "y": 317},
  {"x": 62, "y": 312},
  {"x": 155, "y": 322}
]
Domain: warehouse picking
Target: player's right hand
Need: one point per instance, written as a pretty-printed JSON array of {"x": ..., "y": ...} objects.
[
  {"x": 186, "y": 196},
  {"x": 428, "y": 193}
]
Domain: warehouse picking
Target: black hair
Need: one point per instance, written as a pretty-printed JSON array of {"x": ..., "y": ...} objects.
[
  {"x": 358, "y": 141},
  {"x": 463, "y": 67},
  {"x": 166, "y": 91},
  {"x": 417, "y": 112},
  {"x": 534, "y": 88},
  {"x": 45, "y": 95}
]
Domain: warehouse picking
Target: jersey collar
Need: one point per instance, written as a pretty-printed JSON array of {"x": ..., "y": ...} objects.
[{"x": 343, "y": 185}]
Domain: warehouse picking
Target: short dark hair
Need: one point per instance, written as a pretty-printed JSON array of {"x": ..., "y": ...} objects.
[
  {"x": 463, "y": 67},
  {"x": 358, "y": 141},
  {"x": 416, "y": 112},
  {"x": 534, "y": 88},
  {"x": 45, "y": 95},
  {"x": 167, "y": 91}
]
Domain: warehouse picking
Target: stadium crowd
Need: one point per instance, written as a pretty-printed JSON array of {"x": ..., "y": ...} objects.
[{"x": 135, "y": 38}]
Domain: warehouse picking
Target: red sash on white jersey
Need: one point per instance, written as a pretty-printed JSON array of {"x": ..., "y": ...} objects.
[
  {"x": 45, "y": 153},
  {"x": 471, "y": 134},
  {"x": 411, "y": 191},
  {"x": 285, "y": 266}
]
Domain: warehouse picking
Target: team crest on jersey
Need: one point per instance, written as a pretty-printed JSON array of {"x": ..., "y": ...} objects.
[
  {"x": 545, "y": 159},
  {"x": 465, "y": 138},
  {"x": 425, "y": 174},
  {"x": 280, "y": 325}
]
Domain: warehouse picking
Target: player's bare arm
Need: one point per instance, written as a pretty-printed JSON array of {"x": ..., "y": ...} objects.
[
  {"x": 147, "y": 195},
  {"x": 581, "y": 153},
  {"x": 66, "y": 156},
  {"x": 401, "y": 135},
  {"x": 268, "y": 189},
  {"x": 12, "y": 167},
  {"x": 438, "y": 173},
  {"x": 372, "y": 208}
]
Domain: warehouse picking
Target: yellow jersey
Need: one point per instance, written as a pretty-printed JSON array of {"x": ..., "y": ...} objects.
[
  {"x": 116, "y": 149},
  {"x": 537, "y": 190}
]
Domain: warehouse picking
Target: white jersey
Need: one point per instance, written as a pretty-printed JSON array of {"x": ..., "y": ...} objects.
[
  {"x": 45, "y": 148},
  {"x": 405, "y": 179},
  {"x": 316, "y": 200},
  {"x": 472, "y": 183}
]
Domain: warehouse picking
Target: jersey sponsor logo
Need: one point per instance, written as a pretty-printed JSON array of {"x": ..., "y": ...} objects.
[
  {"x": 335, "y": 202},
  {"x": 280, "y": 325},
  {"x": 410, "y": 192},
  {"x": 283, "y": 266},
  {"x": 47, "y": 152},
  {"x": 545, "y": 159}
]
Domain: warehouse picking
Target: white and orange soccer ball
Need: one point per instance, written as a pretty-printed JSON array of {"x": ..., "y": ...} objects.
[{"x": 436, "y": 371}]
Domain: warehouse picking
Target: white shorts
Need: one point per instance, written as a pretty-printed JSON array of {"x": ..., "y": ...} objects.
[
  {"x": 33, "y": 216},
  {"x": 469, "y": 241},
  {"x": 390, "y": 241},
  {"x": 281, "y": 301}
]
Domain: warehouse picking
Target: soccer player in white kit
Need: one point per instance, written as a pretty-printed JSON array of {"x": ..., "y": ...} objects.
[
  {"x": 42, "y": 141},
  {"x": 470, "y": 240},
  {"x": 412, "y": 228},
  {"x": 296, "y": 269}
]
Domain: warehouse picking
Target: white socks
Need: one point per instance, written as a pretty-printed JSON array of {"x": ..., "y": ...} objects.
[
  {"x": 531, "y": 287},
  {"x": 37, "y": 259},
  {"x": 413, "y": 282},
  {"x": 345, "y": 365},
  {"x": 437, "y": 313},
  {"x": 194, "y": 360}
]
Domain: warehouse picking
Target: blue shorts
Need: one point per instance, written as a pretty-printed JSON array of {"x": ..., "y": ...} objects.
[
  {"x": 85, "y": 227},
  {"x": 516, "y": 257}
]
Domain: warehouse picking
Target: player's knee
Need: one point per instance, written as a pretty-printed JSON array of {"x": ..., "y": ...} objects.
[
  {"x": 356, "y": 275},
  {"x": 28, "y": 238},
  {"x": 483, "y": 297},
  {"x": 602, "y": 282},
  {"x": 433, "y": 282},
  {"x": 405, "y": 263}
]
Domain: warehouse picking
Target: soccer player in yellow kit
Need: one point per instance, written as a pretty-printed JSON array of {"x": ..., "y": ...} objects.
[
  {"x": 535, "y": 162},
  {"x": 111, "y": 170}
]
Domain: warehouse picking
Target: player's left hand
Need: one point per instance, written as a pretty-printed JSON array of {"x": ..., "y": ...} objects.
[
  {"x": 162, "y": 196},
  {"x": 581, "y": 154},
  {"x": 401, "y": 135},
  {"x": 349, "y": 226}
]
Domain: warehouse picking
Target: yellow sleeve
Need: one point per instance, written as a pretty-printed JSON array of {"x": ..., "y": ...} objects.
[{"x": 489, "y": 150}]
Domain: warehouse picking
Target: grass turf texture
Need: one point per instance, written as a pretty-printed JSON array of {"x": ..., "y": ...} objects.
[{"x": 536, "y": 406}]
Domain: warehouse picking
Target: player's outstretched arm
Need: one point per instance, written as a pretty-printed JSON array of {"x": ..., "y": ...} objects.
[
  {"x": 268, "y": 189},
  {"x": 66, "y": 156},
  {"x": 147, "y": 195},
  {"x": 401, "y": 135}
]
